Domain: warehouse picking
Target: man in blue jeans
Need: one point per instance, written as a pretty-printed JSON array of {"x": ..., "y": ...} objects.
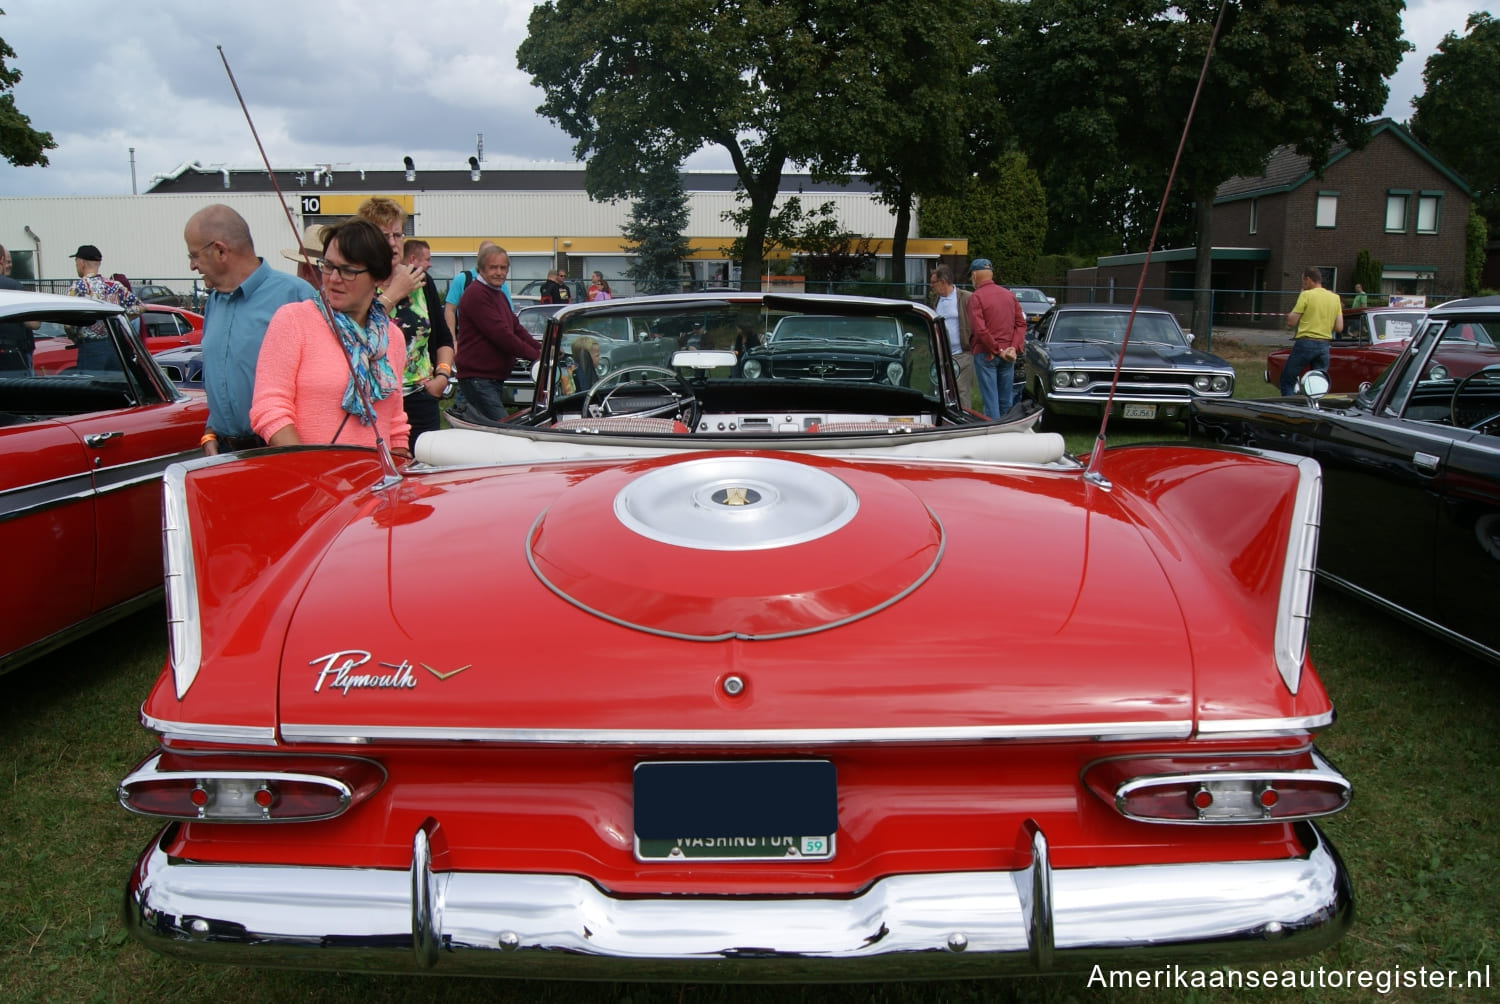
[
  {"x": 997, "y": 330},
  {"x": 1316, "y": 315}
]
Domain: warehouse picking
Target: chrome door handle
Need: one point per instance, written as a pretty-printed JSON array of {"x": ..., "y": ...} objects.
[
  {"x": 100, "y": 438},
  {"x": 1426, "y": 462}
]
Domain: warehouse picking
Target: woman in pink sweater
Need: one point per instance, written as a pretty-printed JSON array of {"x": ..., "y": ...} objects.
[{"x": 306, "y": 390}]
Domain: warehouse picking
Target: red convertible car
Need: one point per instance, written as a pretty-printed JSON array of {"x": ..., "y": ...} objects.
[
  {"x": 81, "y": 459},
  {"x": 160, "y": 327},
  {"x": 1371, "y": 340},
  {"x": 811, "y": 675}
]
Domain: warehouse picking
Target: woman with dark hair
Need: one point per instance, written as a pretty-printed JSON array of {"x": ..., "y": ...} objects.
[{"x": 309, "y": 378}]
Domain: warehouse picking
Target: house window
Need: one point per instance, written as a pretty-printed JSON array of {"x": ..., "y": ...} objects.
[
  {"x": 1427, "y": 212},
  {"x": 1254, "y": 215},
  {"x": 1328, "y": 210},
  {"x": 1395, "y": 211}
]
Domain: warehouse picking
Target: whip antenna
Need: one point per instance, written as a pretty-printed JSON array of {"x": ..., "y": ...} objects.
[
  {"x": 387, "y": 462},
  {"x": 1097, "y": 456}
]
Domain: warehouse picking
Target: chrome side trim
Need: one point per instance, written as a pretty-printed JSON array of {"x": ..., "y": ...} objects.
[
  {"x": 902, "y": 926},
  {"x": 180, "y": 573},
  {"x": 327, "y": 733},
  {"x": 1446, "y": 633},
  {"x": 1248, "y": 727},
  {"x": 27, "y": 499},
  {"x": 1294, "y": 606},
  {"x": 250, "y": 735}
]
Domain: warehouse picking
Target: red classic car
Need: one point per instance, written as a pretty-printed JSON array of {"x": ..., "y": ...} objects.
[
  {"x": 1371, "y": 340},
  {"x": 81, "y": 458},
  {"x": 813, "y": 675},
  {"x": 160, "y": 327}
]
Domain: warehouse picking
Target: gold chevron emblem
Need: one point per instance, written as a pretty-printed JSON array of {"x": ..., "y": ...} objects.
[{"x": 443, "y": 676}]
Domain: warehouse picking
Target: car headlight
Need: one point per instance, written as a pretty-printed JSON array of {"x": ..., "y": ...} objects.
[
  {"x": 1061, "y": 379},
  {"x": 1222, "y": 383},
  {"x": 893, "y": 372},
  {"x": 1201, "y": 383},
  {"x": 752, "y": 368},
  {"x": 1079, "y": 379},
  {"x": 602, "y": 366}
]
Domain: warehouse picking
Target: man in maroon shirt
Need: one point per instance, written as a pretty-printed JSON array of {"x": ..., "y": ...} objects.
[
  {"x": 997, "y": 327},
  {"x": 492, "y": 339}
]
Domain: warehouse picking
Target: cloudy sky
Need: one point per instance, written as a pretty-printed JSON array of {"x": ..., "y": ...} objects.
[{"x": 328, "y": 82}]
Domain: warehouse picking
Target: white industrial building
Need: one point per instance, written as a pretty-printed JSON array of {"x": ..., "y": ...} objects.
[{"x": 540, "y": 216}]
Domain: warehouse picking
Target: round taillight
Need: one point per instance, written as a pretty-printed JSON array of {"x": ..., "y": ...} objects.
[
  {"x": 1202, "y": 798},
  {"x": 264, "y": 798},
  {"x": 198, "y": 796},
  {"x": 1269, "y": 797}
]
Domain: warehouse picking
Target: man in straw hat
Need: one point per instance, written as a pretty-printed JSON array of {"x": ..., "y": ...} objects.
[
  {"x": 243, "y": 294},
  {"x": 306, "y": 255}
]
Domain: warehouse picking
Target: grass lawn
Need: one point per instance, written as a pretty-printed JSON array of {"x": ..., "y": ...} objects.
[{"x": 1418, "y": 733}]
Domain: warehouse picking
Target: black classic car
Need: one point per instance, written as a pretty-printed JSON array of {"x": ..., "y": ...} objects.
[
  {"x": 813, "y": 347},
  {"x": 1071, "y": 362},
  {"x": 1411, "y": 474}
]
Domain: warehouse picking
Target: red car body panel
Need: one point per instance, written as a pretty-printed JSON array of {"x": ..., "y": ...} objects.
[
  {"x": 974, "y": 644},
  {"x": 55, "y": 354},
  {"x": 80, "y": 498},
  {"x": 291, "y": 546}
]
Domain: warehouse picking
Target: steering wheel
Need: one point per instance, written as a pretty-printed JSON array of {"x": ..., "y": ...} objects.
[
  {"x": 1483, "y": 411},
  {"x": 684, "y": 402}
]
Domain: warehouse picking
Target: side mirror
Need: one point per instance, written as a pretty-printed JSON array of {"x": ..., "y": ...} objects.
[{"x": 1314, "y": 383}]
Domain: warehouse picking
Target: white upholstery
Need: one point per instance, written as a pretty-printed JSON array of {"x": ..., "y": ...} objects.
[{"x": 998, "y": 444}]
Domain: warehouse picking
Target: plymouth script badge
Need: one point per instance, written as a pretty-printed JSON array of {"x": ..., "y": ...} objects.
[{"x": 343, "y": 671}]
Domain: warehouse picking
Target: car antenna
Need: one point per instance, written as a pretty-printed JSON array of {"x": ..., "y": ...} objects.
[
  {"x": 1096, "y": 458},
  {"x": 387, "y": 462}
]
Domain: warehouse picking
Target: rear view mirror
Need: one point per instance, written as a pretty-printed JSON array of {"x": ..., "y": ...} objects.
[{"x": 1314, "y": 384}]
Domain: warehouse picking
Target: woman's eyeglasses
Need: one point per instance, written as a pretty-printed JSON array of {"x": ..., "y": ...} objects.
[{"x": 347, "y": 272}]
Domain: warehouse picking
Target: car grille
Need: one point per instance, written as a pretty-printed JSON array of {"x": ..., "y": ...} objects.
[{"x": 823, "y": 369}]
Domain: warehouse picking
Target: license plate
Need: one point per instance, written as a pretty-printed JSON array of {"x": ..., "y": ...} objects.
[
  {"x": 736, "y": 810},
  {"x": 1140, "y": 411}
]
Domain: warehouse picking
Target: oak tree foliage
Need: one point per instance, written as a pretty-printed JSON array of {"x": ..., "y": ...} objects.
[
  {"x": 20, "y": 144},
  {"x": 1002, "y": 210},
  {"x": 1458, "y": 114},
  {"x": 1102, "y": 88},
  {"x": 638, "y": 83}
]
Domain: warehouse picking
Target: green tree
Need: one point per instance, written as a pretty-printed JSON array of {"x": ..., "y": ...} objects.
[
  {"x": 1457, "y": 113},
  {"x": 1104, "y": 86},
  {"x": 655, "y": 231},
  {"x": 638, "y": 83},
  {"x": 914, "y": 118},
  {"x": 20, "y": 144},
  {"x": 1478, "y": 235},
  {"x": 1368, "y": 271},
  {"x": 1003, "y": 213}
]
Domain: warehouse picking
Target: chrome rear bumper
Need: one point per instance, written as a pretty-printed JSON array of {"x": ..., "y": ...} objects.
[{"x": 960, "y": 924}]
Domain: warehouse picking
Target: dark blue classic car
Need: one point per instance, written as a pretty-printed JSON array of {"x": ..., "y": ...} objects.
[
  {"x": 1071, "y": 362},
  {"x": 1411, "y": 474}
]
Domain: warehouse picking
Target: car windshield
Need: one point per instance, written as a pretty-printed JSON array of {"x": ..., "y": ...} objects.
[
  {"x": 1428, "y": 375},
  {"x": 1026, "y": 295},
  {"x": 1108, "y": 326},
  {"x": 747, "y": 345},
  {"x": 1394, "y": 326}
]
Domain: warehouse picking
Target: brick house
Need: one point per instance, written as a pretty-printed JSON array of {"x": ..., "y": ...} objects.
[{"x": 1392, "y": 199}]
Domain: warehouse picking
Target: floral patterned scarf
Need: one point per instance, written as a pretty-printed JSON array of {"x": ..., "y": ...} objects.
[{"x": 368, "y": 363}]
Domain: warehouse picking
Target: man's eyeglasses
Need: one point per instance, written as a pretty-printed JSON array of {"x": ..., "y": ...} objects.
[
  {"x": 193, "y": 255},
  {"x": 347, "y": 272}
]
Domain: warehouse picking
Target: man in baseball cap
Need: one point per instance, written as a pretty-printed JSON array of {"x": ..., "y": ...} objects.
[
  {"x": 997, "y": 330},
  {"x": 96, "y": 351},
  {"x": 87, "y": 252}
]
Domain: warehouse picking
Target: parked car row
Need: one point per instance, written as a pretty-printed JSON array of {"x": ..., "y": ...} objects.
[{"x": 161, "y": 328}]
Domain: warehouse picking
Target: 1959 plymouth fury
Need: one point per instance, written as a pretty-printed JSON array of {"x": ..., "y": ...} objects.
[{"x": 697, "y": 675}]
